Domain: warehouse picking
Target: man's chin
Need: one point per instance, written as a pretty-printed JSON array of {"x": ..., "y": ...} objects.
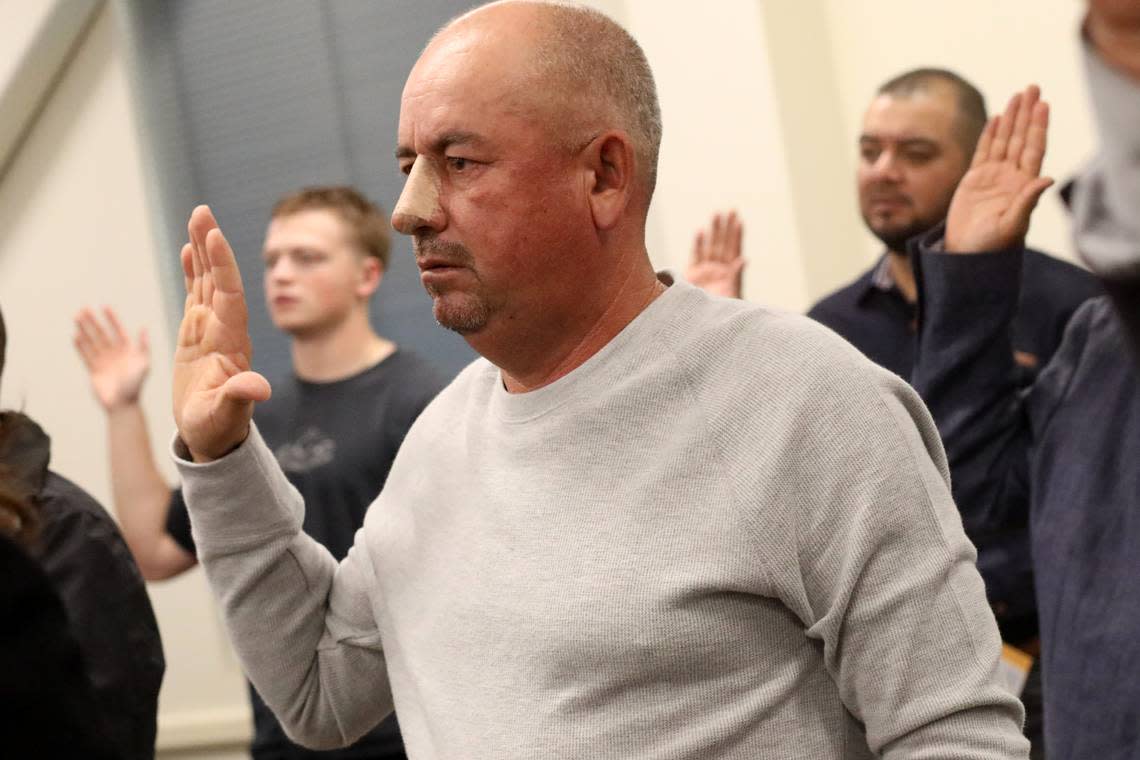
[
  {"x": 465, "y": 316},
  {"x": 895, "y": 239},
  {"x": 300, "y": 328}
]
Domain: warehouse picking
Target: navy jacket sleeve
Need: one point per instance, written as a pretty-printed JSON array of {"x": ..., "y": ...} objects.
[{"x": 966, "y": 373}]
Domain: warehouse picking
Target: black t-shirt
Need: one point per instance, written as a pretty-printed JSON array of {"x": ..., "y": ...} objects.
[{"x": 335, "y": 442}]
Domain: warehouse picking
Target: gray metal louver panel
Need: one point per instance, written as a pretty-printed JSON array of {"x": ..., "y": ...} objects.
[{"x": 245, "y": 101}]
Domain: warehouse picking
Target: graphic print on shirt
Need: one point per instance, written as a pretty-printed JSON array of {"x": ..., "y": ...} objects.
[{"x": 313, "y": 449}]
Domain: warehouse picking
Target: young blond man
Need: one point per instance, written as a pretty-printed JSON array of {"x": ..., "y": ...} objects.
[{"x": 334, "y": 425}]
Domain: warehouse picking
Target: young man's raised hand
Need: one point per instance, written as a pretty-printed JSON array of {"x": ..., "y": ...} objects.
[
  {"x": 116, "y": 365},
  {"x": 214, "y": 388}
]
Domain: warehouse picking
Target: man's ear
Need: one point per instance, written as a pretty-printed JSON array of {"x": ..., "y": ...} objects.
[
  {"x": 611, "y": 160},
  {"x": 371, "y": 274}
]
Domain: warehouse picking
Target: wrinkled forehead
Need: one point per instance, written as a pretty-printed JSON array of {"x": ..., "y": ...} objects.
[{"x": 465, "y": 76}]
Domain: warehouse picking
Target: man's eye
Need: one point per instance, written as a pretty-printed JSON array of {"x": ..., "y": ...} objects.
[
  {"x": 870, "y": 155},
  {"x": 458, "y": 163},
  {"x": 307, "y": 258},
  {"x": 918, "y": 157}
]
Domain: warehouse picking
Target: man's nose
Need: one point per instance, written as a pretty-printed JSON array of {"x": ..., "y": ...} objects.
[
  {"x": 886, "y": 166},
  {"x": 419, "y": 203},
  {"x": 281, "y": 270}
]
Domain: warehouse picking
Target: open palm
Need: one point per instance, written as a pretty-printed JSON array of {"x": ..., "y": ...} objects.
[
  {"x": 992, "y": 205},
  {"x": 717, "y": 263},
  {"x": 116, "y": 365},
  {"x": 214, "y": 389}
]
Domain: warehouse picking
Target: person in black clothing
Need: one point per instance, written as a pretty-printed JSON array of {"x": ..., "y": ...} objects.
[
  {"x": 1062, "y": 454},
  {"x": 49, "y": 709},
  {"x": 335, "y": 424},
  {"x": 79, "y": 549}
]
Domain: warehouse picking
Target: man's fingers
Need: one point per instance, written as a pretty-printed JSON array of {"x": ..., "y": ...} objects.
[
  {"x": 197, "y": 258},
  {"x": 224, "y": 272},
  {"x": 699, "y": 247},
  {"x": 201, "y": 222},
  {"x": 144, "y": 341},
  {"x": 1021, "y": 208},
  {"x": 716, "y": 239},
  {"x": 93, "y": 331},
  {"x": 982, "y": 152},
  {"x": 1026, "y": 200},
  {"x": 198, "y": 228},
  {"x": 82, "y": 342},
  {"x": 736, "y": 235},
  {"x": 187, "y": 259},
  {"x": 1036, "y": 140},
  {"x": 1020, "y": 129},
  {"x": 246, "y": 387},
  {"x": 1000, "y": 144},
  {"x": 81, "y": 318},
  {"x": 118, "y": 334},
  {"x": 84, "y": 348}
]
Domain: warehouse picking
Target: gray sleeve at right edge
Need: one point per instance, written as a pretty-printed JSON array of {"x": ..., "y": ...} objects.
[
  {"x": 301, "y": 625},
  {"x": 1105, "y": 222},
  {"x": 1107, "y": 194}
]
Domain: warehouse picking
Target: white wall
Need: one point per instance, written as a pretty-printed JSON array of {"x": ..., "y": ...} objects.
[
  {"x": 38, "y": 37},
  {"x": 74, "y": 230}
]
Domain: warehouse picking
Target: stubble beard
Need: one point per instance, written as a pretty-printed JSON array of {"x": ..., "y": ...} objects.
[
  {"x": 464, "y": 313},
  {"x": 895, "y": 238},
  {"x": 458, "y": 311}
]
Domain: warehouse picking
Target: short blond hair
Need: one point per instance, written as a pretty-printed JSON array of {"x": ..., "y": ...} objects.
[{"x": 365, "y": 220}]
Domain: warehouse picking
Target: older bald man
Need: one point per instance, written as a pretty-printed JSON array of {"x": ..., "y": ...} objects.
[{"x": 648, "y": 523}]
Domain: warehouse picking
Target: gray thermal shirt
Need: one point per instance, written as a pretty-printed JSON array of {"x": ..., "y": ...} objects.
[{"x": 725, "y": 535}]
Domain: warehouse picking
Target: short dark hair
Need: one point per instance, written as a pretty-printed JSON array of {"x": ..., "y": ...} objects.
[
  {"x": 971, "y": 105},
  {"x": 366, "y": 222}
]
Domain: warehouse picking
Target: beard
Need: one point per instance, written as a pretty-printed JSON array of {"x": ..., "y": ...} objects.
[
  {"x": 459, "y": 311},
  {"x": 895, "y": 239},
  {"x": 463, "y": 313},
  {"x": 895, "y": 235}
]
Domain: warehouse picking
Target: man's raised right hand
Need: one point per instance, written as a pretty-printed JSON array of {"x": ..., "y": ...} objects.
[{"x": 214, "y": 388}]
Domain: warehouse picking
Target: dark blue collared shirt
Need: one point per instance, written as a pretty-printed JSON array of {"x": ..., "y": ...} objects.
[{"x": 872, "y": 314}]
